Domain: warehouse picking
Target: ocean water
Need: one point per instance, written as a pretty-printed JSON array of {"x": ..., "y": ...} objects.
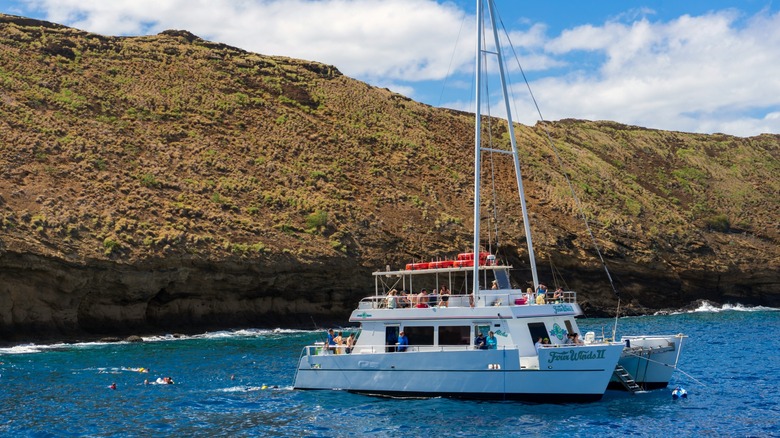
[{"x": 238, "y": 383}]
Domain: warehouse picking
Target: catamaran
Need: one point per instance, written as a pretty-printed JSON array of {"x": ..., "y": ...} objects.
[{"x": 480, "y": 337}]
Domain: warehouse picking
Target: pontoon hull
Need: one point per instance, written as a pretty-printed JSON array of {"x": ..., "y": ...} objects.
[
  {"x": 651, "y": 360},
  {"x": 469, "y": 374}
]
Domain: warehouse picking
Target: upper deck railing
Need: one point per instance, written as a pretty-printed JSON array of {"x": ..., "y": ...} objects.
[{"x": 486, "y": 298}]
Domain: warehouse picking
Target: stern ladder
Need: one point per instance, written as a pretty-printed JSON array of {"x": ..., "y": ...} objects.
[{"x": 626, "y": 379}]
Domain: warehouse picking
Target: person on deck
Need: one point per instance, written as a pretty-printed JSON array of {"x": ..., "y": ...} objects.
[
  {"x": 433, "y": 298},
  {"x": 350, "y": 343},
  {"x": 392, "y": 300},
  {"x": 480, "y": 342},
  {"x": 422, "y": 298},
  {"x": 492, "y": 342},
  {"x": 403, "y": 342},
  {"x": 538, "y": 344},
  {"x": 444, "y": 294},
  {"x": 330, "y": 342},
  {"x": 557, "y": 295},
  {"x": 540, "y": 294}
]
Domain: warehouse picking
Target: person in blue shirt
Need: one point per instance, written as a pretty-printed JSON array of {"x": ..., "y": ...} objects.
[
  {"x": 331, "y": 342},
  {"x": 492, "y": 342},
  {"x": 403, "y": 342},
  {"x": 479, "y": 342}
]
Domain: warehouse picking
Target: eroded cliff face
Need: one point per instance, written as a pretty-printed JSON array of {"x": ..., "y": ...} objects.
[
  {"x": 51, "y": 299},
  {"x": 48, "y": 299}
]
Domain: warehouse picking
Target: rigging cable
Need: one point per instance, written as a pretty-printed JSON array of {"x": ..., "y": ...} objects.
[
  {"x": 452, "y": 57},
  {"x": 565, "y": 174}
]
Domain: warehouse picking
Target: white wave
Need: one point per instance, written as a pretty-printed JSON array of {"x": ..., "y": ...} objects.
[
  {"x": 706, "y": 306},
  {"x": 22, "y": 349},
  {"x": 242, "y": 389},
  {"x": 222, "y": 334},
  {"x": 225, "y": 334}
]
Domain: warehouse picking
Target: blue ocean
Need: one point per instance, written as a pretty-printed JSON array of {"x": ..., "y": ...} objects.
[{"x": 238, "y": 383}]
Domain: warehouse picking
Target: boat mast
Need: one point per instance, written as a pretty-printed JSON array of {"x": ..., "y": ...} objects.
[
  {"x": 513, "y": 140},
  {"x": 477, "y": 149}
]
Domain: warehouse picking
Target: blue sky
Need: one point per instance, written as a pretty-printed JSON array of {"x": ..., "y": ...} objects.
[{"x": 694, "y": 65}]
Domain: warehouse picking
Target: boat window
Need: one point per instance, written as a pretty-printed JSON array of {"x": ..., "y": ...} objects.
[
  {"x": 481, "y": 328},
  {"x": 454, "y": 335},
  {"x": 537, "y": 330},
  {"x": 419, "y": 335},
  {"x": 569, "y": 327}
]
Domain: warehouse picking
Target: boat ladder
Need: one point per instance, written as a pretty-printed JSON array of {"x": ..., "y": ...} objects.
[{"x": 626, "y": 379}]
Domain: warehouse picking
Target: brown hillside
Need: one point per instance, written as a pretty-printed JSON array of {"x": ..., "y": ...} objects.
[{"x": 170, "y": 182}]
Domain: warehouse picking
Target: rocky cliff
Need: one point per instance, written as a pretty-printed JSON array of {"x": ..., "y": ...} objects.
[{"x": 167, "y": 183}]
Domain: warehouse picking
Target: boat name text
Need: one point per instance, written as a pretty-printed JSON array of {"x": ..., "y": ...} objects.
[
  {"x": 574, "y": 356},
  {"x": 559, "y": 308}
]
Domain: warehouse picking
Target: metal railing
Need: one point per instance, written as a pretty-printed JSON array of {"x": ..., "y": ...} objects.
[
  {"x": 486, "y": 298},
  {"x": 320, "y": 349}
]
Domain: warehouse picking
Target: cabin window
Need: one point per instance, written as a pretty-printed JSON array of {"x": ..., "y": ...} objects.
[
  {"x": 569, "y": 327},
  {"x": 481, "y": 328},
  {"x": 454, "y": 335},
  {"x": 419, "y": 335},
  {"x": 537, "y": 330}
]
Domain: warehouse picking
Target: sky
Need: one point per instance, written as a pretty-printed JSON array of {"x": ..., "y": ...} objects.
[{"x": 706, "y": 66}]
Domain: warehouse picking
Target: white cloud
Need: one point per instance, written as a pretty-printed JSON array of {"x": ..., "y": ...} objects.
[
  {"x": 718, "y": 72},
  {"x": 701, "y": 74},
  {"x": 389, "y": 39}
]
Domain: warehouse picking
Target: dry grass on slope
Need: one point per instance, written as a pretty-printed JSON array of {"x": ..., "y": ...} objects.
[{"x": 135, "y": 148}]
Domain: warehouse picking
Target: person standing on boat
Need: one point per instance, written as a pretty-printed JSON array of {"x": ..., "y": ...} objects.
[
  {"x": 339, "y": 340},
  {"x": 538, "y": 344},
  {"x": 444, "y": 296},
  {"x": 542, "y": 290},
  {"x": 480, "y": 342},
  {"x": 492, "y": 342},
  {"x": 350, "y": 343},
  {"x": 392, "y": 301},
  {"x": 403, "y": 342},
  {"x": 331, "y": 343}
]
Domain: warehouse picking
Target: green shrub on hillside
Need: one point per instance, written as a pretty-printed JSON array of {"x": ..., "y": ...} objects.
[{"x": 719, "y": 222}]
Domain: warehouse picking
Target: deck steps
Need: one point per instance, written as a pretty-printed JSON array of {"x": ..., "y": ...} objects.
[{"x": 626, "y": 379}]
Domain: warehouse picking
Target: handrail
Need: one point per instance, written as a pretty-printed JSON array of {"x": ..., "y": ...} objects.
[
  {"x": 319, "y": 349},
  {"x": 501, "y": 297}
]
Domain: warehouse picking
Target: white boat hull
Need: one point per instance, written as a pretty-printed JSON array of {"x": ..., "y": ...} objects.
[
  {"x": 575, "y": 374},
  {"x": 651, "y": 360}
]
